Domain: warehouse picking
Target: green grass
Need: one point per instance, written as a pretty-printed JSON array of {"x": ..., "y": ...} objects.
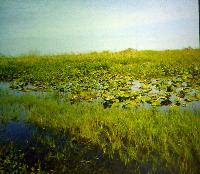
[
  {"x": 47, "y": 70},
  {"x": 147, "y": 135},
  {"x": 134, "y": 135}
]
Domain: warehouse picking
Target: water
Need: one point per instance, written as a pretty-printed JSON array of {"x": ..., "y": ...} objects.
[
  {"x": 18, "y": 133},
  {"x": 5, "y": 86},
  {"x": 136, "y": 85}
]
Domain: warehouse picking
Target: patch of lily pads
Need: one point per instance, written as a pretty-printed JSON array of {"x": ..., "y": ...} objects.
[
  {"x": 124, "y": 91},
  {"x": 157, "y": 92}
]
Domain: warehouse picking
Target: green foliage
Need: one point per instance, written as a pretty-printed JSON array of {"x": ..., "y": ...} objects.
[
  {"x": 12, "y": 160},
  {"x": 97, "y": 102},
  {"x": 89, "y": 76},
  {"x": 143, "y": 136}
]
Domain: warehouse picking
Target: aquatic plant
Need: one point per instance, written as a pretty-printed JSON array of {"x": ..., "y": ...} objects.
[{"x": 110, "y": 76}]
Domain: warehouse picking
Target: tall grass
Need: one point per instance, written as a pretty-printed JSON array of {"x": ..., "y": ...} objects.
[
  {"x": 145, "y": 135},
  {"x": 165, "y": 140}
]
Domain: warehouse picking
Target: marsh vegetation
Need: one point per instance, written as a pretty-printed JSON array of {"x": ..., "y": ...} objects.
[{"x": 101, "y": 112}]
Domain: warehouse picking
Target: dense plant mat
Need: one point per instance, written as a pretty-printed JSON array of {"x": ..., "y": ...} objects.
[{"x": 121, "y": 79}]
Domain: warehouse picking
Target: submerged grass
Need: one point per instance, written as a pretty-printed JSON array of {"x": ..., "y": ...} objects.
[{"x": 167, "y": 141}]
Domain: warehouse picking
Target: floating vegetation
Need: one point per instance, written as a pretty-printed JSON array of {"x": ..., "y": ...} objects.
[{"x": 147, "y": 76}]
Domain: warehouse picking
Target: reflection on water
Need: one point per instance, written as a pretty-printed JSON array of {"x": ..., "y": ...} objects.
[{"x": 17, "y": 132}]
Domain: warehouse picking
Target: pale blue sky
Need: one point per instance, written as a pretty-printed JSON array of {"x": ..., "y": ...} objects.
[{"x": 57, "y": 26}]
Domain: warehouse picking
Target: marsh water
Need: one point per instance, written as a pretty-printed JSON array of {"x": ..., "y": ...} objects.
[{"x": 37, "y": 142}]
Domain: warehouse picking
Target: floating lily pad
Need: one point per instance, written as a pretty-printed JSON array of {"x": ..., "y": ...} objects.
[
  {"x": 156, "y": 103},
  {"x": 146, "y": 99}
]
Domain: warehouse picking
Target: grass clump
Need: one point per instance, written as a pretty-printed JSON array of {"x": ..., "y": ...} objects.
[
  {"x": 167, "y": 141},
  {"x": 145, "y": 135}
]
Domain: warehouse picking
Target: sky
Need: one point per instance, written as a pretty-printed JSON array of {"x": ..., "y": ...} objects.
[{"x": 61, "y": 26}]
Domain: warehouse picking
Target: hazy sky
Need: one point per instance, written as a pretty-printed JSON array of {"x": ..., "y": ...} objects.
[{"x": 56, "y": 26}]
